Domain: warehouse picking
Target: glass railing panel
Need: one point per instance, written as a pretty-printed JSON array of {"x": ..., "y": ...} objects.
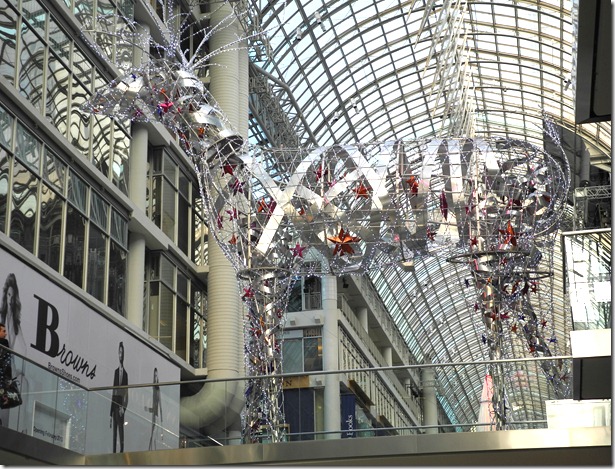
[
  {"x": 53, "y": 409},
  {"x": 587, "y": 277},
  {"x": 149, "y": 422},
  {"x": 65, "y": 414}
]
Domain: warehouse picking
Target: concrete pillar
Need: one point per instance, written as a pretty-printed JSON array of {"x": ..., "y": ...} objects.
[
  {"x": 330, "y": 343},
  {"x": 135, "y": 277},
  {"x": 137, "y": 191},
  {"x": 387, "y": 354},
  {"x": 430, "y": 403},
  {"x": 362, "y": 314}
]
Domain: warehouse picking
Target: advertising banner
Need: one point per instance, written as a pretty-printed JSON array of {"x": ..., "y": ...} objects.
[
  {"x": 348, "y": 415},
  {"x": 63, "y": 335}
]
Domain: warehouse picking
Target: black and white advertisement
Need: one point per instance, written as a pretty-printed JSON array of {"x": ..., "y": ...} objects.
[{"x": 73, "y": 347}]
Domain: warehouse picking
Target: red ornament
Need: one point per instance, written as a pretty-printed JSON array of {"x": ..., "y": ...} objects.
[
  {"x": 511, "y": 236},
  {"x": 320, "y": 173},
  {"x": 414, "y": 184},
  {"x": 361, "y": 191},
  {"x": 342, "y": 242},
  {"x": 232, "y": 214},
  {"x": 228, "y": 168},
  {"x": 298, "y": 250},
  {"x": 166, "y": 105},
  {"x": 266, "y": 207},
  {"x": 443, "y": 205},
  {"x": 237, "y": 186}
]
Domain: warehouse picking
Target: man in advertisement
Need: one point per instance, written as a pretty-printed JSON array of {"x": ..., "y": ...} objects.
[{"x": 119, "y": 401}]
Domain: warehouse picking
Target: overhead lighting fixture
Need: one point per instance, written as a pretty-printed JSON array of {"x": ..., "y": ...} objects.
[{"x": 318, "y": 18}]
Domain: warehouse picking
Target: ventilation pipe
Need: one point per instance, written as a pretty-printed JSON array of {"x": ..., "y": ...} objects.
[{"x": 216, "y": 407}]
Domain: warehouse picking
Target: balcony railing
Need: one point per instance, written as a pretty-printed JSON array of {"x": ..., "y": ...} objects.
[{"x": 69, "y": 415}]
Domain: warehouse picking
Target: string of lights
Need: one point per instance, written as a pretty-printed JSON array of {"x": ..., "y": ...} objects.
[{"x": 350, "y": 208}]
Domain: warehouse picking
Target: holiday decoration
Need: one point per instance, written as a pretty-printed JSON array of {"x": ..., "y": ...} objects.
[{"x": 351, "y": 208}]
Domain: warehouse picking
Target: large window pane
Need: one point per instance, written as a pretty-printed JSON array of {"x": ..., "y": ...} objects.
[
  {"x": 32, "y": 64},
  {"x": 183, "y": 225},
  {"x": 35, "y": 15},
  {"x": 101, "y": 147},
  {"x": 80, "y": 122},
  {"x": 82, "y": 69},
  {"x": 77, "y": 191},
  {"x": 5, "y": 163},
  {"x": 97, "y": 253},
  {"x": 73, "y": 246},
  {"x": 59, "y": 42},
  {"x": 117, "y": 278},
  {"x": 24, "y": 206},
  {"x": 6, "y": 129},
  {"x": 106, "y": 23},
  {"x": 168, "y": 209},
  {"x": 312, "y": 353},
  {"x": 181, "y": 336},
  {"x": 198, "y": 357},
  {"x": 119, "y": 229},
  {"x": 28, "y": 148},
  {"x": 121, "y": 154},
  {"x": 84, "y": 11},
  {"x": 8, "y": 41},
  {"x": 99, "y": 211},
  {"x": 292, "y": 351},
  {"x": 58, "y": 80},
  {"x": 50, "y": 232},
  {"x": 166, "y": 325},
  {"x": 54, "y": 170},
  {"x": 199, "y": 247}
]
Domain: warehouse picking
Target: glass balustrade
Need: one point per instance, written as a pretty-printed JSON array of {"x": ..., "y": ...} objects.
[{"x": 66, "y": 414}]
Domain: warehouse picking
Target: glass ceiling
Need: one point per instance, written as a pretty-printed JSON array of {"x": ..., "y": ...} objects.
[{"x": 366, "y": 70}]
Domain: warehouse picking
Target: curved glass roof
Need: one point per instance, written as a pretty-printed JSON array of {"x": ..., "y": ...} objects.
[{"x": 366, "y": 70}]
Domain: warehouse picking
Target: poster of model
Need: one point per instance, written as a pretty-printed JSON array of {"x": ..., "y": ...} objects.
[{"x": 68, "y": 347}]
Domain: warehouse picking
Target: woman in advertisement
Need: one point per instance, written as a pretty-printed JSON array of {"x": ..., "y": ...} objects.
[
  {"x": 5, "y": 371},
  {"x": 156, "y": 404},
  {"x": 10, "y": 316}
]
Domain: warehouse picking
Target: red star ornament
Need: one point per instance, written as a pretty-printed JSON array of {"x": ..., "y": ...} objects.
[
  {"x": 413, "y": 183},
  {"x": 227, "y": 168},
  {"x": 511, "y": 236},
  {"x": 361, "y": 191},
  {"x": 298, "y": 250},
  {"x": 342, "y": 242}
]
